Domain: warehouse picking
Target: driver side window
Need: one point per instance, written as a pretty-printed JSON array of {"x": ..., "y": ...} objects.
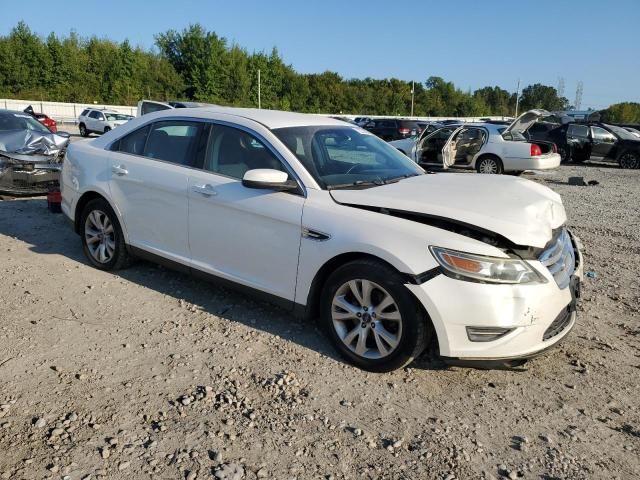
[
  {"x": 602, "y": 135},
  {"x": 232, "y": 152}
]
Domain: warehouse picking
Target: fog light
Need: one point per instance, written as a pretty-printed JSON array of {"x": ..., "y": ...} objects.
[{"x": 486, "y": 334}]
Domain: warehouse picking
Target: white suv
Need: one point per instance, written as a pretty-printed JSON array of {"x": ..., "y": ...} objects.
[
  {"x": 327, "y": 220},
  {"x": 94, "y": 120}
]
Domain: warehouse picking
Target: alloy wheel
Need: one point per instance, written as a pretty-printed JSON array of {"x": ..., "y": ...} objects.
[
  {"x": 629, "y": 160},
  {"x": 488, "y": 165},
  {"x": 100, "y": 237},
  {"x": 366, "y": 318}
]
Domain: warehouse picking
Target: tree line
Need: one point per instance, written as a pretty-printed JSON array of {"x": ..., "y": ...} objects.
[{"x": 197, "y": 64}]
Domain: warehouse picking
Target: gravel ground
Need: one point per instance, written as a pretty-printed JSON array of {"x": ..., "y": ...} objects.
[{"x": 153, "y": 374}]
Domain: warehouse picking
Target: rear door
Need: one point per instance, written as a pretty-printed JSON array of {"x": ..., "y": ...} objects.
[
  {"x": 93, "y": 121},
  {"x": 603, "y": 142},
  {"x": 149, "y": 184}
]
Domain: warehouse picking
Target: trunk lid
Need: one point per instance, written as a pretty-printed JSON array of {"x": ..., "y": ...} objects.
[{"x": 524, "y": 121}]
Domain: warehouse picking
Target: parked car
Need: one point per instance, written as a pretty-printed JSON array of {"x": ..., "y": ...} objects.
[
  {"x": 47, "y": 121},
  {"x": 150, "y": 106},
  {"x": 333, "y": 223},
  {"x": 487, "y": 147},
  {"x": 585, "y": 141},
  {"x": 556, "y": 133},
  {"x": 361, "y": 120},
  {"x": 405, "y": 145},
  {"x": 30, "y": 154},
  {"x": 391, "y": 128},
  {"x": 94, "y": 120}
]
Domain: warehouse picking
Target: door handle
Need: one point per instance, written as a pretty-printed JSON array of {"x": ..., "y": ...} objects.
[
  {"x": 119, "y": 170},
  {"x": 206, "y": 190}
]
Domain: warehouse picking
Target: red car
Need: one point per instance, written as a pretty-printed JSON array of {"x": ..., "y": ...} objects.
[{"x": 47, "y": 121}]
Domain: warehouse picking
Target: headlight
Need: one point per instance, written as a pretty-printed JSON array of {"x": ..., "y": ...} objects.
[{"x": 485, "y": 269}]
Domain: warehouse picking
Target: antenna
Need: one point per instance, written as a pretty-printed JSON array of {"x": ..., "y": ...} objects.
[{"x": 579, "y": 89}]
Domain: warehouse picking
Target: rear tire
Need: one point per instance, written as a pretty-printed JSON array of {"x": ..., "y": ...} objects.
[
  {"x": 383, "y": 331},
  {"x": 629, "y": 160},
  {"x": 102, "y": 237},
  {"x": 489, "y": 164},
  {"x": 83, "y": 130}
]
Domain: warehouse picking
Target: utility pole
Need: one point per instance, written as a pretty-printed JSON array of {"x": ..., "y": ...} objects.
[
  {"x": 517, "y": 97},
  {"x": 259, "y": 100},
  {"x": 413, "y": 92}
]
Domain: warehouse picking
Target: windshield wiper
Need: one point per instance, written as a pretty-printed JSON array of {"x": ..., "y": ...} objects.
[
  {"x": 357, "y": 183},
  {"x": 401, "y": 177}
]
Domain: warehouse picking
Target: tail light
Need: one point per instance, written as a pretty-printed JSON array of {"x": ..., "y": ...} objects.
[
  {"x": 535, "y": 150},
  {"x": 404, "y": 131}
]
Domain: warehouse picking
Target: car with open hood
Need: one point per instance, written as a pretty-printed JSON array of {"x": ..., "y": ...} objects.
[
  {"x": 487, "y": 147},
  {"x": 30, "y": 154},
  {"x": 331, "y": 222}
]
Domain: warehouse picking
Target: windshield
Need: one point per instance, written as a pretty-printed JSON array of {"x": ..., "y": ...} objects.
[
  {"x": 343, "y": 157},
  {"x": 621, "y": 132},
  {"x": 20, "y": 121},
  {"x": 112, "y": 117}
]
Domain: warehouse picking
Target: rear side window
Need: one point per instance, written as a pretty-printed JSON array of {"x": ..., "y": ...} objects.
[
  {"x": 97, "y": 115},
  {"x": 132, "y": 143},
  {"x": 173, "y": 141},
  {"x": 84, "y": 112}
]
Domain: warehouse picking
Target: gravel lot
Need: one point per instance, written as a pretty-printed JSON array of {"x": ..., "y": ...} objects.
[{"x": 153, "y": 374}]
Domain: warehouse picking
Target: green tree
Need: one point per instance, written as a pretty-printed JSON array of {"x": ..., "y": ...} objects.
[
  {"x": 542, "y": 96},
  {"x": 625, "y": 112}
]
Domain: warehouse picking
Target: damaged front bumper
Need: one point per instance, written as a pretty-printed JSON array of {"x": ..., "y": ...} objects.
[
  {"x": 30, "y": 161},
  {"x": 534, "y": 317}
]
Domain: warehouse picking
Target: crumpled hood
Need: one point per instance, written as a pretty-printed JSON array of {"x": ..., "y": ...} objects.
[
  {"x": 522, "y": 211},
  {"x": 31, "y": 146}
]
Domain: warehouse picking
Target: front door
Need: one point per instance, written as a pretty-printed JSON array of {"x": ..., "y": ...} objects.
[
  {"x": 149, "y": 184},
  {"x": 603, "y": 142},
  {"x": 249, "y": 236}
]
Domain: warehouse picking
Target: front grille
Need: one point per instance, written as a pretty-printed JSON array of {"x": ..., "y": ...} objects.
[
  {"x": 560, "y": 259},
  {"x": 558, "y": 325}
]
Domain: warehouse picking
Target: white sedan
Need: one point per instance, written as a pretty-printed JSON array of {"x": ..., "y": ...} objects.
[
  {"x": 485, "y": 147},
  {"x": 331, "y": 222}
]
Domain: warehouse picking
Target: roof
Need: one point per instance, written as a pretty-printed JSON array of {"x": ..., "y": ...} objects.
[{"x": 269, "y": 118}]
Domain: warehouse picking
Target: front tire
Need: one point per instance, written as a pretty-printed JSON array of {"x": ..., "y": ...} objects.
[
  {"x": 107, "y": 129},
  {"x": 629, "y": 160},
  {"x": 102, "y": 237},
  {"x": 565, "y": 153},
  {"x": 373, "y": 321},
  {"x": 490, "y": 165}
]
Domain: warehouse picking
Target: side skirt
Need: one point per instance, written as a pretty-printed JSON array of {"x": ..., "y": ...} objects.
[{"x": 285, "y": 304}]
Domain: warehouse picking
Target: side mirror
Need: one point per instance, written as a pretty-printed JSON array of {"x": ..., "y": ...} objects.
[{"x": 269, "y": 179}]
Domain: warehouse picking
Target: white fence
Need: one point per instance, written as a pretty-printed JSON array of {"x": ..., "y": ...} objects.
[
  {"x": 69, "y": 112},
  {"x": 60, "y": 111}
]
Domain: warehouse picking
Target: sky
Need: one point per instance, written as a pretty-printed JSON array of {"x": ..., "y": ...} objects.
[{"x": 469, "y": 42}]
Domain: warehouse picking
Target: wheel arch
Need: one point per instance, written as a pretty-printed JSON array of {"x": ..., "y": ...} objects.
[
  {"x": 479, "y": 158},
  {"x": 82, "y": 202},
  {"x": 312, "y": 308}
]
